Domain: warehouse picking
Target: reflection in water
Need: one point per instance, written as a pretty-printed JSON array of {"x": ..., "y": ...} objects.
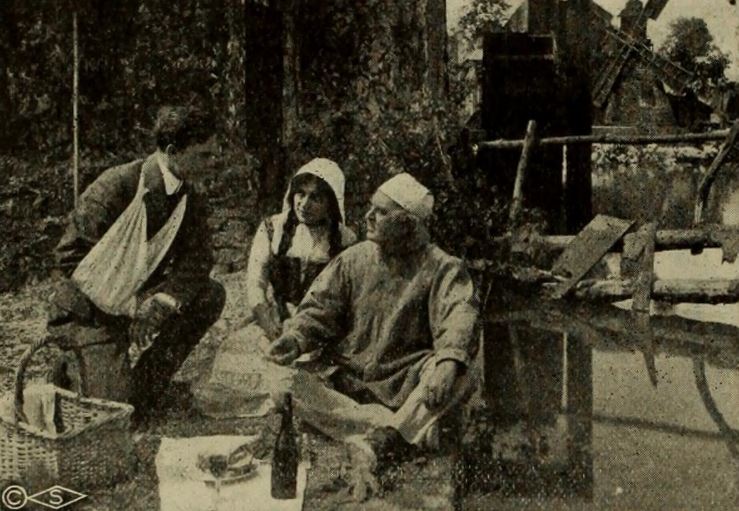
[
  {"x": 581, "y": 406},
  {"x": 534, "y": 434},
  {"x": 730, "y": 435}
]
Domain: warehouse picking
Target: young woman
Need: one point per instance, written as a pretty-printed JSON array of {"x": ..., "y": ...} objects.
[
  {"x": 288, "y": 252},
  {"x": 290, "y": 249}
]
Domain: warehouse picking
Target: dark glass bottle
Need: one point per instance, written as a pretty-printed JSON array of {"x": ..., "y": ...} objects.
[{"x": 285, "y": 456}]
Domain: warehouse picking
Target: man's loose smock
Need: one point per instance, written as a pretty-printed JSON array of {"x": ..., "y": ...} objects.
[{"x": 380, "y": 320}]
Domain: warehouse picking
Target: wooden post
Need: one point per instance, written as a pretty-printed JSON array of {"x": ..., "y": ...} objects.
[
  {"x": 705, "y": 187},
  {"x": 75, "y": 106},
  {"x": 523, "y": 162},
  {"x": 645, "y": 276}
]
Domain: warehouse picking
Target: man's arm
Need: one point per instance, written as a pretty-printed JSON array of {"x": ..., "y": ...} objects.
[
  {"x": 454, "y": 314},
  {"x": 454, "y": 321},
  {"x": 98, "y": 208},
  {"x": 322, "y": 315}
]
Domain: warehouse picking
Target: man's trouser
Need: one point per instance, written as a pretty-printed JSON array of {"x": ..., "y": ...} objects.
[
  {"x": 340, "y": 417},
  {"x": 104, "y": 351}
]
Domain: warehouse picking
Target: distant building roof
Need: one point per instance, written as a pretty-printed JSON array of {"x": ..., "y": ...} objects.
[{"x": 519, "y": 20}]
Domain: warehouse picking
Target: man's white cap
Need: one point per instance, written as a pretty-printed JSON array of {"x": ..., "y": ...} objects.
[{"x": 409, "y": 194}]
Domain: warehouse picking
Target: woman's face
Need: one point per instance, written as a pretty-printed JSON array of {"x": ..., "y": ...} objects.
[{"x": 310, "y": 203}]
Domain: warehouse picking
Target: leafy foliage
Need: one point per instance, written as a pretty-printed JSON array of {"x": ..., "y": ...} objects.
[
  {"x": 691, "y": 45},
  {"x": 480, "y": 17},
  {"x": 164, "y": 52}
]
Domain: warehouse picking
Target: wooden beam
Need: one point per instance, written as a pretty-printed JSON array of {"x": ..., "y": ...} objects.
[
  {"x": 704, "y": 189},
  {"x": 706, "y": 236},
  {"x": 607, "y": 138},
  {"x": 713, "y": 291}
]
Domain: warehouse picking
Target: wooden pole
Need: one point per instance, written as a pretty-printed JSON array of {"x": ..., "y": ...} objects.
[
  {"x": 713, "y": 291},
  {"x": 75, "y": 106},
  {"x": 707, "y": 182},
  {"x": 607, "y": 138},
  {"x": 645, "y": 276},
  {"x": 523, "y": 162},
  {"x": 705, "y": 236}
]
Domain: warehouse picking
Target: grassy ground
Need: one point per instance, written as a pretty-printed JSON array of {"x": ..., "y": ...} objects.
[{"x": 423, "y": 483}]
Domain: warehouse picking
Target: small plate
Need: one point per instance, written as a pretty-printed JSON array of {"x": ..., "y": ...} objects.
[{"x": 233, "y": 475}]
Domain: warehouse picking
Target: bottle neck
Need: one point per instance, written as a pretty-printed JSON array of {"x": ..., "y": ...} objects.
[{"x": 287, "y": 411}]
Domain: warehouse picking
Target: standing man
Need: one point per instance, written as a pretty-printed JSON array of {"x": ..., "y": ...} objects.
[
  {"x": 398, "y": 318},
  {"x": 136, "y": 256}
]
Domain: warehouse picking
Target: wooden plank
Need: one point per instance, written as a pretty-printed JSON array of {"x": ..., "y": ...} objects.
[
  {"x": 710, "y": 176},
  {"x": 517, "y": 202},
  {"x": 588, "y": 247}
]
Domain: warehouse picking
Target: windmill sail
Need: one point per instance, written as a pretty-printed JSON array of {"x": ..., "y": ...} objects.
[{"x": 654, "y": 8}]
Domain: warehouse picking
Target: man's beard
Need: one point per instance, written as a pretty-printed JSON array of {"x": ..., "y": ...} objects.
[{"x": 400, "y": 234}]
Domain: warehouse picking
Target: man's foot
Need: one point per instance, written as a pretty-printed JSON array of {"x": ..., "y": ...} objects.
[
  {"x": 389, "y": 445},
  {"x": 371, "y": 454}
]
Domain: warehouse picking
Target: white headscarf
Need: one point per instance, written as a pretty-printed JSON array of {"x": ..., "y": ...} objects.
[
  {"x": 327, "y": 171},
  {"x": 409, "y": 194}
]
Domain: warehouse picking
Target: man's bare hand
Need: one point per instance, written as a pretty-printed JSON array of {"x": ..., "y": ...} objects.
[
  {"x": 265, "y": 319},
  {"x": 284, "y": 350},
  {"x": 148, "y": 320},
  {"x": 439, "y": 387}
]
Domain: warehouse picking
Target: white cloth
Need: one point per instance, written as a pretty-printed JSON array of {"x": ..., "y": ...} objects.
[
  {"x": 241, "y": 381},
  {"x": 171, "y": 182},
  {"x": 182, "y": 484},
  {"x": 310, "y": 244},
  {"x": 341, "y": 418},
  {"x": 122, "y": 260},
  {"x": 409, "y": 194},
  {"x": 39, "y": 403},
  {"x": 329, "y": 172}
]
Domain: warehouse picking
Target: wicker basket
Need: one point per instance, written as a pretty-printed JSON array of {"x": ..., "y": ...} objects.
[{"x": 94, "y": 449}]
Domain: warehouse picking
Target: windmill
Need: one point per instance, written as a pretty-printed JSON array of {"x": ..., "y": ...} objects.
[{"x": 630, "y": 43}]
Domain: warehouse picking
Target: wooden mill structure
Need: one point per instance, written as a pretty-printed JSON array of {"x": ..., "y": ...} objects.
[{"x": 629, "y": 42}]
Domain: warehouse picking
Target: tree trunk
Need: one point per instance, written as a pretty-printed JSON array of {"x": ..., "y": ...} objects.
[
  {"x": 7, "y": 42},
  {"x": 234, "y": 74}
]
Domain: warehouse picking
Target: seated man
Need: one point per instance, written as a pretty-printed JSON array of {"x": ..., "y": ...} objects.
[
  {"x": 398, "y": 317},
  {"x": 136, "y": 256}
]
